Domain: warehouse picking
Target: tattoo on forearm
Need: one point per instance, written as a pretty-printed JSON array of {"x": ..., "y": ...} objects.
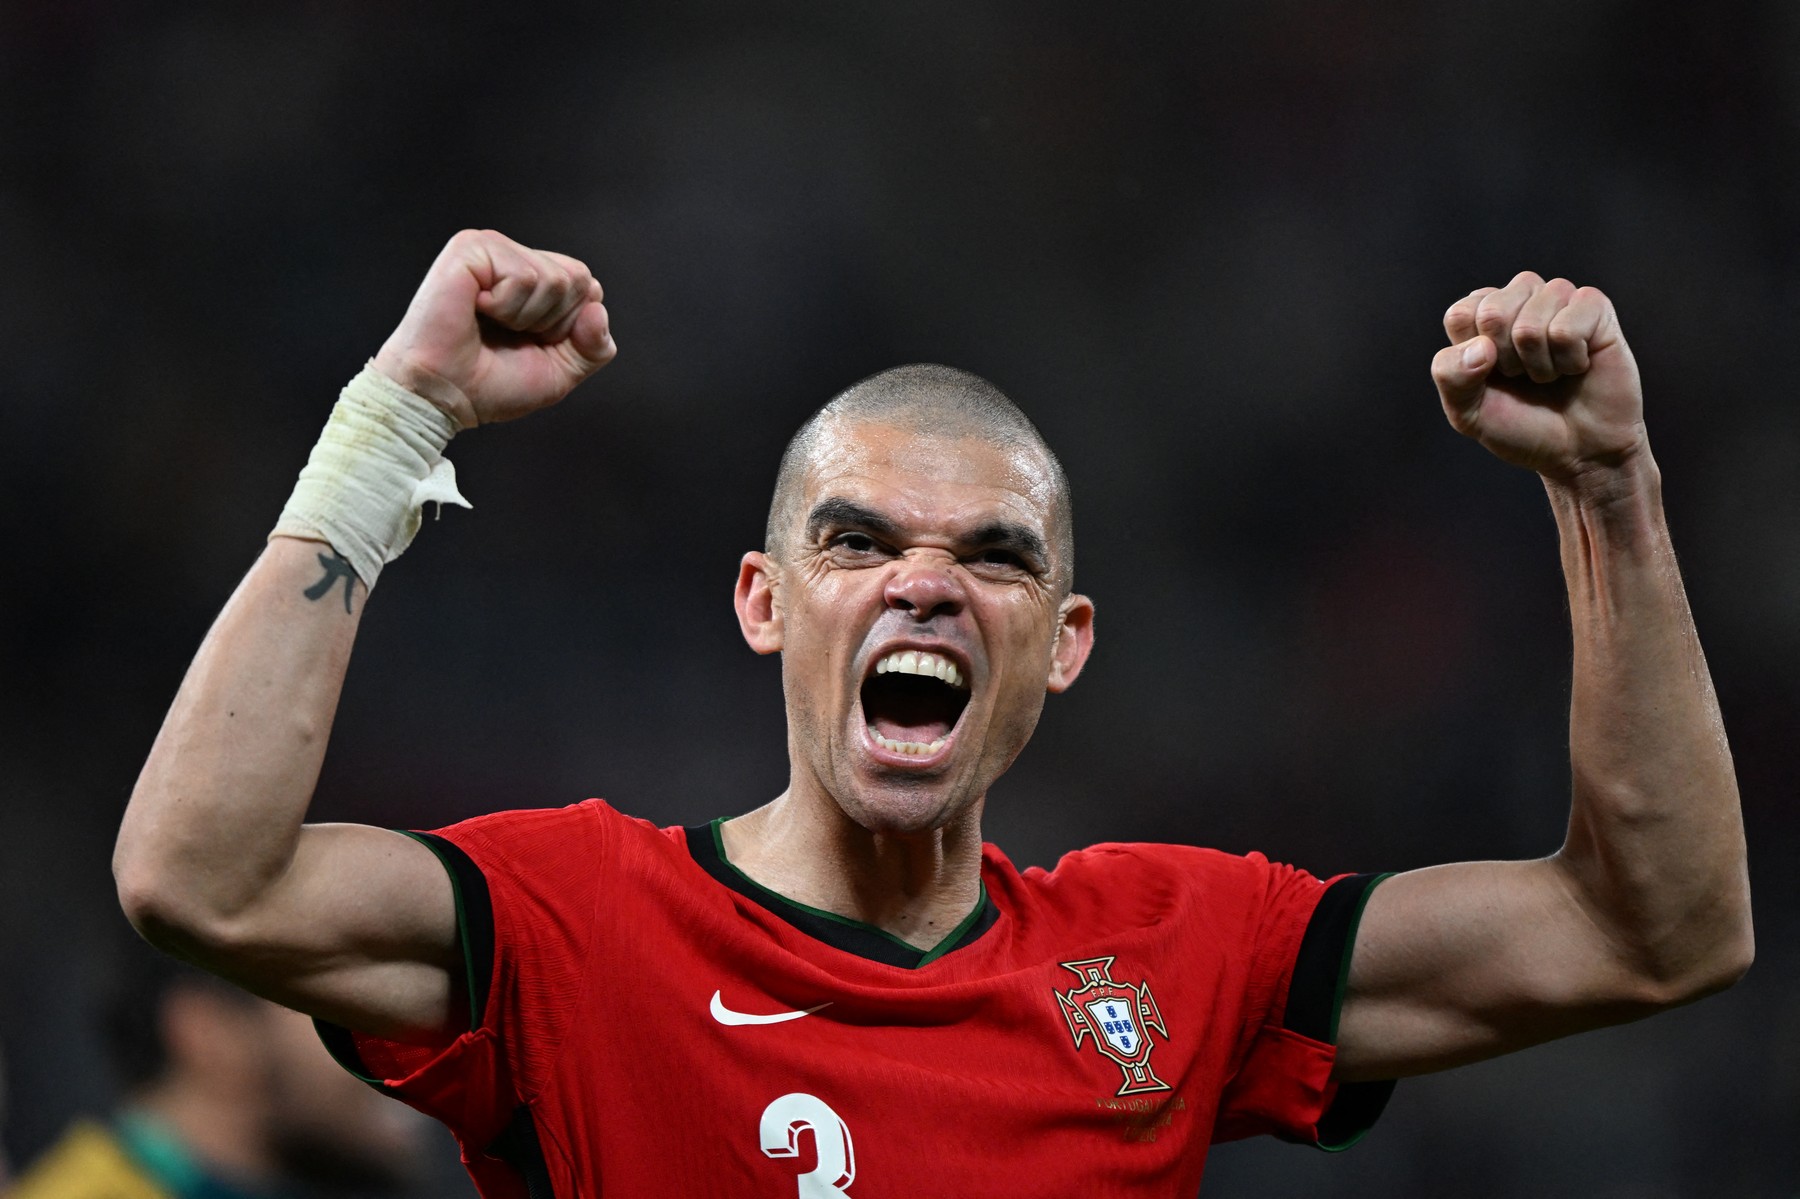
[{"x": 336, "y": 567}]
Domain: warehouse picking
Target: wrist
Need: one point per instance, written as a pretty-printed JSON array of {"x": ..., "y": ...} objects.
[
  {"x": 1619, "y": 502},
  {"x": 379, "y": 460},
  {"x": 1619, "y": 480},
  {"x": 392, "y": 364}
]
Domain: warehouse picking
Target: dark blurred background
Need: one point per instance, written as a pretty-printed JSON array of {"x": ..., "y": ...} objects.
[{"x": 1207, "y": 247}]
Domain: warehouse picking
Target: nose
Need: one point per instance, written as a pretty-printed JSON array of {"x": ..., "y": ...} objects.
[{"x": 924, "y": 587}]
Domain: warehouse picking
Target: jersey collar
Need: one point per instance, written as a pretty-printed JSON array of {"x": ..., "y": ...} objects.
[{"x": 707, "y": 846}]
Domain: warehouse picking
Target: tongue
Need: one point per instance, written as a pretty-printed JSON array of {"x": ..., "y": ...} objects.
[
  {"x": 915, "y": 712},
  {"x": 899, "y": 728}
]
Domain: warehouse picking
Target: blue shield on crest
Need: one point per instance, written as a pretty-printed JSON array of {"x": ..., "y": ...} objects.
[{"x": 1114, "y": 1020}]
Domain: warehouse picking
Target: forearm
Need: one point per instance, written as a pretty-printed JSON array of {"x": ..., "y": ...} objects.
[
  {"x": 357, "y": 925},
  {"x": 1656, "y": 839},
  {"x": 216, "y": 813}
]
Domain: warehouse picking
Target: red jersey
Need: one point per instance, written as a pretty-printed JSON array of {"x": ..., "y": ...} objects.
[{"x": 651, "y": 1022}]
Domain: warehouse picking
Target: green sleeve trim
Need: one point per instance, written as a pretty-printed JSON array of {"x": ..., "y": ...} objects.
[
  {"x": 1357, "y": 1103},
  {"x": 1343, "y": 980},
  {"x": 340, "y": 1042},
  {"x": 462, "y": 927}
]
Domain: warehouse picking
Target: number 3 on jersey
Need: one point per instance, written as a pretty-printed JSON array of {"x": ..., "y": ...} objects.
[{"x": 782, "y": 1122}]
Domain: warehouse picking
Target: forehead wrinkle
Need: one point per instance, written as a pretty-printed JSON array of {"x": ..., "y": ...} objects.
[{"x": 846, "y": 447}]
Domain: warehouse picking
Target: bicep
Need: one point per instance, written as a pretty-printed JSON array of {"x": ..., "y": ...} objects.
[
  {"x": 359, "y": 930},
  {"x": 1453, "y": 964}
]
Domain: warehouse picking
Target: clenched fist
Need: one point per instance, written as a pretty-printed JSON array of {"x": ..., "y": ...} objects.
[
  {"x": 498, "y": 330},
  {"x": 1540, "y": 374}
]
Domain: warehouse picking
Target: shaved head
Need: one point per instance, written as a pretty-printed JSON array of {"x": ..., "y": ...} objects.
[{"x": 925, "y": 400}]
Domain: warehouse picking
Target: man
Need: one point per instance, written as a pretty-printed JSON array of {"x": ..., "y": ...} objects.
[
  {"x": 843, "y": 991},
  {"x": 226, "y": 1097}
]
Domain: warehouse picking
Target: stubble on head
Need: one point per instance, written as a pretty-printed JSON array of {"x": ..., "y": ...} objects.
[{"x": 920, "y": 509}]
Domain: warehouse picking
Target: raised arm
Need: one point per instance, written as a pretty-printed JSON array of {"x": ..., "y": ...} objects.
[
  {"x": 213, "y": 862},
  {"x": 1647, "y": 903}
]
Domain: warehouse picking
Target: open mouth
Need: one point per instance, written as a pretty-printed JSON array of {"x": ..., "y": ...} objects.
[{"x": 912, "y": 702}]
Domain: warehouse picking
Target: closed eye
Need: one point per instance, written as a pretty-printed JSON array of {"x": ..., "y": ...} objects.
[
  {"x": 854, "y": 545},
  {"x": 999, "y": 563}
]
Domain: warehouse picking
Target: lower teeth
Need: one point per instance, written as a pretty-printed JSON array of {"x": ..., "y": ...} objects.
[{"x": 907, "y": 747}]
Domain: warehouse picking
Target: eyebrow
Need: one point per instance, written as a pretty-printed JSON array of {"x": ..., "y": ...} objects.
[
  {"x": 836, "y": 512},
  {"x": 1008, "y": 535}
]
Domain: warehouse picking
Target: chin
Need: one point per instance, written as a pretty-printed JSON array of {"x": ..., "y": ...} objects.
[{"x": 903, "y": 809}]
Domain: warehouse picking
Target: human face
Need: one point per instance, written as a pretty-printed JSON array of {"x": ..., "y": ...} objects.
[{"x": 917, "y": 545}]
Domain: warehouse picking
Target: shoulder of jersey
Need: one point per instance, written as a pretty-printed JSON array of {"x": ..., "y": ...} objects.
[
  {"x": 1139, "y": 883},
  {"x": 1147, "y": 860}
]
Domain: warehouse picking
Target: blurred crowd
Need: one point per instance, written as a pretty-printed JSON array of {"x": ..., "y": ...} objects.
[
  {"x": 1207, "y": 249},
  {"x": 221, "y": 1095}
]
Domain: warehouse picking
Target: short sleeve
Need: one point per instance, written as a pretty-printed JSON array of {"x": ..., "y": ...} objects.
[
  {"x": 526, "y": 886},
  {"x": 1282, "y": 1084}
]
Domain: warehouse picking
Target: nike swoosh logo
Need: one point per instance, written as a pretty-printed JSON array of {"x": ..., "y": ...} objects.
[{"x": 726, "y": 1016}]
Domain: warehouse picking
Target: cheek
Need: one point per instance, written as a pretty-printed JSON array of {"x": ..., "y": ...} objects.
[
  {"x": 1028, "y": 637},
  {"x": 811, "y": 674},
  {"x": 822, "y": 629}
]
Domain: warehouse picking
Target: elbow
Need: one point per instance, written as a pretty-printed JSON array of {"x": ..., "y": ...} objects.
[
  {"x": 1729, "y": 945},
  {"x": 151, "y": 904},
  {"x": 145, "y": 883},
  {"x": 165, "y": 912},
  {"x": 1730, "y": 962},
  {"x": 1722, "y": 959}
]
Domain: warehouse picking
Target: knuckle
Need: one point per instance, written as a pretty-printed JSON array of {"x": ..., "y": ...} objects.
[
  {"x": 468, "y": 239},
  {"x": 1490, "y": 319},
  {"x": 1527, "y": 335},
  {"x": 1444, "y": 364},
  {"x": 1563, "y": 338}
]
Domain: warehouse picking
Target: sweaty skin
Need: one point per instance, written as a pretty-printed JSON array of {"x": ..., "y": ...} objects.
[
  {"x": 924, "y": 543},
  {"x": 1647, "y": 903},
  {"x": 213, "y": 863},
  {"x": 892, "y": 839}
]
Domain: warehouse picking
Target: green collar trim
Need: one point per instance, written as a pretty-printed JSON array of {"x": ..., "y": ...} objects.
[{"x": 774, "y": 899}]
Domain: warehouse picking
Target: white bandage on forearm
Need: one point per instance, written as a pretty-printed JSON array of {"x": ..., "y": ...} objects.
[{"x": 379, "y": 461}]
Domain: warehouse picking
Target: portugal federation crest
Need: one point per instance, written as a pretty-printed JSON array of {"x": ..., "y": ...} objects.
[{"x": 1119, "y": 1016}]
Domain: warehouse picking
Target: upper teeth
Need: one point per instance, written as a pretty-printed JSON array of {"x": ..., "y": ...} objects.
[{"x": 912, "y": 662}]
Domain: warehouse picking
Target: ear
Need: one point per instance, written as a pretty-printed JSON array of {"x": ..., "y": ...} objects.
[
  {"x": 759, "y": 616},
  {"x": 1074, "y": 642}
]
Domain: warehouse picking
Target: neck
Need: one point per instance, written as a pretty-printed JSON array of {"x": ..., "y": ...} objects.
[{"x": 915, "y": 886}]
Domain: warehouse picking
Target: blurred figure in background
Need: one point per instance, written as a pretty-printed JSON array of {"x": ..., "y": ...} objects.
[
  {"x": 226, "y": 1096},
  {"x": 5, "y": 1166}
]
